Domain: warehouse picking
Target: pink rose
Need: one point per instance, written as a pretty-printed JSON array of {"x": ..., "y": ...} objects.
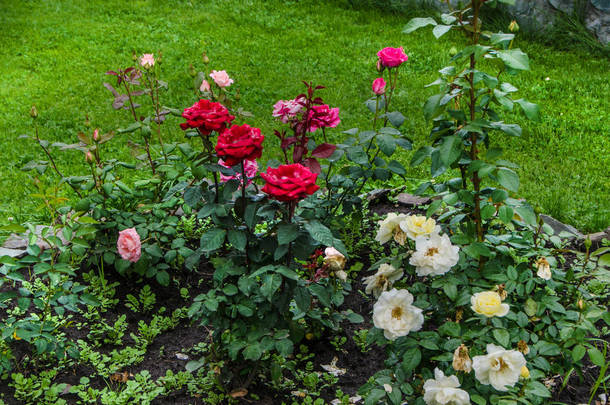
[
  {"x": 250, "y": 167},
  {"x": 205, "y": 86},
  {"x": 221, "y": 78},
  {"x": 322, "y": 116},
  {"x": 379, "y": 86},
  {"x": 286, "y": 110},
  {"x": 147, "y": 60},
  {"x": 392, "y": 57},
  {"x": 129, "y": 245}
]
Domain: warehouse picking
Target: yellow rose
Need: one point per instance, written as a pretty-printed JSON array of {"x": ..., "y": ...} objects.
[
  {"x": 418, "y": 225},
  {"x": 488, "y": 303}
]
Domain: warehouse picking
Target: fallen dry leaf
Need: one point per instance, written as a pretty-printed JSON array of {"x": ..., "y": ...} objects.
[{"x": 238, "y": 393}]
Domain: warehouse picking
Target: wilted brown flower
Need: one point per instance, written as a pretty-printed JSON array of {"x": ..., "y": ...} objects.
[
  {"x": 461, "y": 359},
  {"x": 522, "y": 346}
]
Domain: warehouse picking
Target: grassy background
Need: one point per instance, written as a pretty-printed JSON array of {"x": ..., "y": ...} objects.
[{"x": 55, "y": 53}]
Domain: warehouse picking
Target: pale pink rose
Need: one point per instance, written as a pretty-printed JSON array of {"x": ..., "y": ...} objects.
[
  {"x": 392, "y": 57},
  {"x": 205, "y": 87},
  {"x": 96, "y": 135},
  {"x": 250, "y": 167},
  {"x": 286, "y": 110},
  {"x": 379, "y": 86},
  {"x": 147, "y": 60},
  {"x": 221, "y": 78},
  {"x": 129, "y": 245}
]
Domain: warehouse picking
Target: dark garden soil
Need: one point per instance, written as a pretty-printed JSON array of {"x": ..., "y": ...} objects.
[{"x": 161, "y": 354}]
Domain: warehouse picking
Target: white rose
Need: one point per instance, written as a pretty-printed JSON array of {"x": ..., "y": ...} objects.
[
  {"x": 418, "y": 225},
  {"x": 390, "y": 228},
  {"x": 385, "y": 277},
  {"x": 434, "y": 255},
  {"x": 334, "y": 259},
  {"x": 544, "y": 269},
  {"x": 394, "y": 314},
  {"x": 500, "y": 368},
  {"x": 444, "y": 390}
]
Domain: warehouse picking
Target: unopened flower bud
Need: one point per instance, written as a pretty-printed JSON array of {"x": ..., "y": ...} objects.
[
  {"x": 341, "y": 275},
  {"x": 513, "y": 26},
  {"x": 379, "y": 86},
  {"x": 205, "y": 58},
  {"x": 459, "y": 314},
  {"x": 525, "y": 373},
  {"x": 580, "y": 304},
  {"x": 588, "y": 243},
  {"x": 309, "y": 336},
  {"x": 159, "y": 57},
  {"x": 453, "y": 51},
  {"x": 380, "y": 67},
  {"x": 33, "y": 112},
  {"x": 523, "y": 347},
  {"x": 192, "y": 70},
  {"x": 89, "y": 157},
  {"x": 134, "y": 55},
  {"x": 96, "y": 135}
]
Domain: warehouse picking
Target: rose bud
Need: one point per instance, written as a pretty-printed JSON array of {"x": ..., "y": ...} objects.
[{"x": 379, "y": 86}]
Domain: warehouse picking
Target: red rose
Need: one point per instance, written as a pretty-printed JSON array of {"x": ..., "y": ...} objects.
[
  {"x": 289, "y": 182},
  {"x": 322, "y": 116},
  {"x": 240, "y": 142},
  {"x": 207, "y": 116},
  {"x": 392, "y": 57}
]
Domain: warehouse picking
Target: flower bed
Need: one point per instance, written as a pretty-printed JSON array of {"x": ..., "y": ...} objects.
[{"x": 258, "y": 274}]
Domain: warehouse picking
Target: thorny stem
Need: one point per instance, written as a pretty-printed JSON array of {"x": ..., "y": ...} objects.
[
  {"x": 155, "y": 91},
  {"x": 135, "y": 117},
  {"x": 46, "y": 151},
  {"x": 244, "y": 183},
  {"x": 208, "y": 147}
]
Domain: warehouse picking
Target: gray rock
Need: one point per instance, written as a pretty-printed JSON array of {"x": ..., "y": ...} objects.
[
  {"x": 15, "y": 241},
  {"x": 378, "y": 194},
  {"x": 18, "y": 253},
  {"x": 559, "y": 227},
  {"x": 412, "y": 200}
]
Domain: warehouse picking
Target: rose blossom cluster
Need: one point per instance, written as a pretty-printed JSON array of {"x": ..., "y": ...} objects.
[{"x": 397, "y": 315}]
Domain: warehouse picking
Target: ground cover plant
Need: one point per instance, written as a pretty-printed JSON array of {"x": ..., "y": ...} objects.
[
  {"x": 248, "y": 265},
  {"x": 44, "y": 46}
]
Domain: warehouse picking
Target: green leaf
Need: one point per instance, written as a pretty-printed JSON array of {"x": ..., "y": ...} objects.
[
  {"x": 417, "y": 23},
  {"x": 505, "y": 213},
  {"x": 411, "y": 359},
  {"x": 287, "y": 233},
  {"x": 515, "y": 59},
  {"x": 440, "y": 30},
  {"x": 451, "y": 149},
  {"x": 387, "y": 144},
  {"x": 537, "y": 389},
  {"x": 194, "y": 365},
  {"x": 320, "y": 233},
  {"x": 420, "y": 155},
  {"x": 397, "y": 168},
  {"x": 596, "y": 357},
  {"x": 431, "y": 106},
  {"x": 396, "y": 118},
  {"x": 527, "y": 214},
  {"x": 451, "y": 290},
  {"x": 531, "y": 110},
  {"x": 449, "y": 328},
  {"x": 271, "y": 283},
  {"x": 508, "y": 179},
  {"x": 476, "y": 249},
  {"x": 90, "y": 300},
  {"x": 374, "y": 396},
  {"x": 213, "y": 239},
  {"x": 302, "y": 298},
  {"x": 502, "y": 336},
  {"x": 162, "y": 277},
  {"x": 284, "y": 347},
  {"x": 578, "y": 352},
  {"x": 253, "y": 352},
  {"x": 357, "y": 155},
  {"x": 322, "y": 293},
  {"x": 237, "y": 239}
]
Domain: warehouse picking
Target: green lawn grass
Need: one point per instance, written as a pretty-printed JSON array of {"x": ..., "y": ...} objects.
[{"x": 54, "y": 54}]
